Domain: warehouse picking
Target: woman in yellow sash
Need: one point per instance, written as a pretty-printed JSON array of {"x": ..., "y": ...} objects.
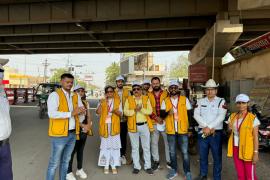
[{"x": 110, "y": 111}]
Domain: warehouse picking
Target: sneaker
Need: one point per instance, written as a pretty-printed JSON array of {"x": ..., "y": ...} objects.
[
  {"x": 155, "y": 166},
  {"x": 201, "y": 178},
  {"x": 70, "y": 176},
  {"x": 135, "y": 171},
  {"x": 149, "y": 171},
  {"x": 81, "y": 174},
  {"x": 169, "y": 165},
  {"x": 106, "y": 171},
  {"x": 172, "y": 174},
  {"x": 123, "y": 160},
  {"x": 188, "y": 176},
  {"x": 114, "y": 171}
]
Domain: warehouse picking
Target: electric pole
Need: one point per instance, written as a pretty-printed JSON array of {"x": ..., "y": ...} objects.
[{"x": 45, "y": 64}]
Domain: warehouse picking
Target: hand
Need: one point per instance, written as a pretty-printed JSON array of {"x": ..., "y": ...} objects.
[
  {"x": 138, "y": 108},
  {"x": 77, "y": 111},
  {"x": 85, "y": 127},
  {"x": 117, "y": 112},
  {"x": 255, "y": 158},
  {"x": 171, "y": 112},
  {"x": 212, "y": 131},
  {"x": 159, "y": 120},
  {"x": 206, "y": 131}
]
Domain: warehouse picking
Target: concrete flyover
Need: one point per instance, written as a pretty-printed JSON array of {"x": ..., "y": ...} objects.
[{"x": 86, "y": 26}]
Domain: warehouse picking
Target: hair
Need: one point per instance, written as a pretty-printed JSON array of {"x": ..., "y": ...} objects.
[
  {"x": 136, "y": 85},
  {"x": 155, "y": 78},
  {"x": 67, "y": 75},
  {"x": 108, "y": 87}
]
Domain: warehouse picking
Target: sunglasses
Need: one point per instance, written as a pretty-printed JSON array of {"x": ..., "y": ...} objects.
[
  {"x": 136, "y": 89},
  {"x": 241, "y": 103}
]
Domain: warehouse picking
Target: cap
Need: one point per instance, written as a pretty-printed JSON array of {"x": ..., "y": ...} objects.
[
  {"x": 146, "y": 81},
  {"x": 242, "y": 98},
  {"x": 120, "y": 77},
  {"x": 2, "y": 63},
  {"x": 136, "y": 83},
  {"x": 174, "y": 83},
  {"x": 78, "y": 87}
]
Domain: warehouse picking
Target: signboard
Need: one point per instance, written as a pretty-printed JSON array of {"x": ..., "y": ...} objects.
[
  {"x": 5, "y": 81},
  {"x": 197, "y": 73},
  {"x": 252, "y": 47}
]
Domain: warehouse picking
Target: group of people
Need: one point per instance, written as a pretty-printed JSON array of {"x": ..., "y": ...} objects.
[{"x": 143, "y": 115}]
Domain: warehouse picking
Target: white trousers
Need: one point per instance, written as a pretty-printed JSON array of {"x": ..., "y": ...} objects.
[{"x": 142, "y": 134}]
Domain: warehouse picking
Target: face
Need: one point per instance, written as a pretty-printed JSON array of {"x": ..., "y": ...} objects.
[
  {"x": 137, "y": 91},
  {"x": 211, "y": 92},
  {"x": 120, "y": 84},
  {"x": 109, "y": 93},
  {"x": 242, "y": 106},
  {"x": 67, "y": 83},
  {"x": 146, "y": 86},
  {"x": 173, "y": 90},
  {"x": 81, "y": 92},
  {"x": 156, "y": 85}
]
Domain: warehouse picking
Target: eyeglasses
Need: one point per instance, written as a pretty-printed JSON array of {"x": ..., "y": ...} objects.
[
  {"x": 136, "y": 89},
  {"x": 109, "y": 91}
]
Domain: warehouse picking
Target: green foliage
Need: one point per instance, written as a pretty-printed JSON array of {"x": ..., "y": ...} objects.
[
  {"x": 179, "y": 68},
  {"x": 57, "y": 74},
  {"x": 112, "y": 72}
]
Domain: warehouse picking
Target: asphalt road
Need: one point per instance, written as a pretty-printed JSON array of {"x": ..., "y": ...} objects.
[{"x": 31, "y": 148}]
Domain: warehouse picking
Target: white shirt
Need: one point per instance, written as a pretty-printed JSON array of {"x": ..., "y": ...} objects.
[
  {"x": 210, "y": 114},
  {"x": 53, "y": 105},
  {"x": 120, "y": 94},
  {"x": 175, "y": 110},
  {"x": 235, "y": 130},
  {"x": 5, "y": 122}
]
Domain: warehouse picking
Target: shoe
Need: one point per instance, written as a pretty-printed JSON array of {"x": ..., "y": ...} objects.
[
  {"x": 155, "y": 166},
  {"x": 188, "y": 176},
  {"x": 149, "y": 171},
  {"x": 81, "y": 174},
  {"x": 201, "y": 178},
  {"x": 70, "y": 176},
  {"x": 123, "y": 160},
  {"x": 106, "y": 171},
  {"x": 169, "y": 166},
  {"x": 135, "y": 171},
  {"x": 114, "y": 171},
  {"x": 172, "y": 174}
]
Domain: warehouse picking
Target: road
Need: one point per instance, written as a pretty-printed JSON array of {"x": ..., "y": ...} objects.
[{"x": 31, "y": 148}]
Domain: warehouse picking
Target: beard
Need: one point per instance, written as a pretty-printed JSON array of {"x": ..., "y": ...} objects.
[
  {"x": 174, "y": 93},
  {"x": 156, "y": 88},
  {"x": 120, "y": 86}
]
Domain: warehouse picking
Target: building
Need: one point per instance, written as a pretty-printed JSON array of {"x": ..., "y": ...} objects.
[{"x": 140, "y": 66}]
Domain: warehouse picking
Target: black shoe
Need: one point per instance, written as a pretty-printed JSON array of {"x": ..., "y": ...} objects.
[
  {"x": 135, "y": 171},
  {"x": 169, "y": 165},
  {"x": 155, "y": 166},
  {"x": 201, "y": 178},
  {"x": 149, "y": 171}
]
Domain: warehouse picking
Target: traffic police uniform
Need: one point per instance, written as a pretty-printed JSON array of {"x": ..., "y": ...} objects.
[{"x": 210, "y": 114}]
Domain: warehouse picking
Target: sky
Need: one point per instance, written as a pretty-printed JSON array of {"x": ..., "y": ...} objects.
[{"x": 91, "y": 63}]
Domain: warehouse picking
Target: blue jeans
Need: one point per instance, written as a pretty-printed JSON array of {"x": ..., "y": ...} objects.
[
  {"x": 215, "y": 144},
  {"x": 182, "y": 140},
  {"x": 61, "y": 149},
  {"x": 5, "y": 162}
]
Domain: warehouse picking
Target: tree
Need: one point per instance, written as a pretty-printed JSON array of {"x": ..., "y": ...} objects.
[
  {"x": 112, "y": 72},
  {"x": 179, "y": 68},
  {"x": 57, "y": 74}
]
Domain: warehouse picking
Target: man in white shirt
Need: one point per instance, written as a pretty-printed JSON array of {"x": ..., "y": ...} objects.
[
  {"x": 210, "y": 113},
  {"x": 5, "y": 130},
  {"x": 65, "y": 110}
]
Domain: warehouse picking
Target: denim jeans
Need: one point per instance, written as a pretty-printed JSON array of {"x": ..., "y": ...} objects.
[
  {"x": 5, "y": 162},
  {"x": 61, "y": 149},
  {"x": 215, "y": 144},
  {"x": 182, "y": 140}
]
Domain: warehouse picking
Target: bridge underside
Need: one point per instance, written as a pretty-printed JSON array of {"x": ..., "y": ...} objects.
[{"x": 88, "y": 26}]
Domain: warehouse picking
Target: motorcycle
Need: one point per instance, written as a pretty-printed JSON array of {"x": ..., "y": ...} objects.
[{"x": 264, "y": 128}]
